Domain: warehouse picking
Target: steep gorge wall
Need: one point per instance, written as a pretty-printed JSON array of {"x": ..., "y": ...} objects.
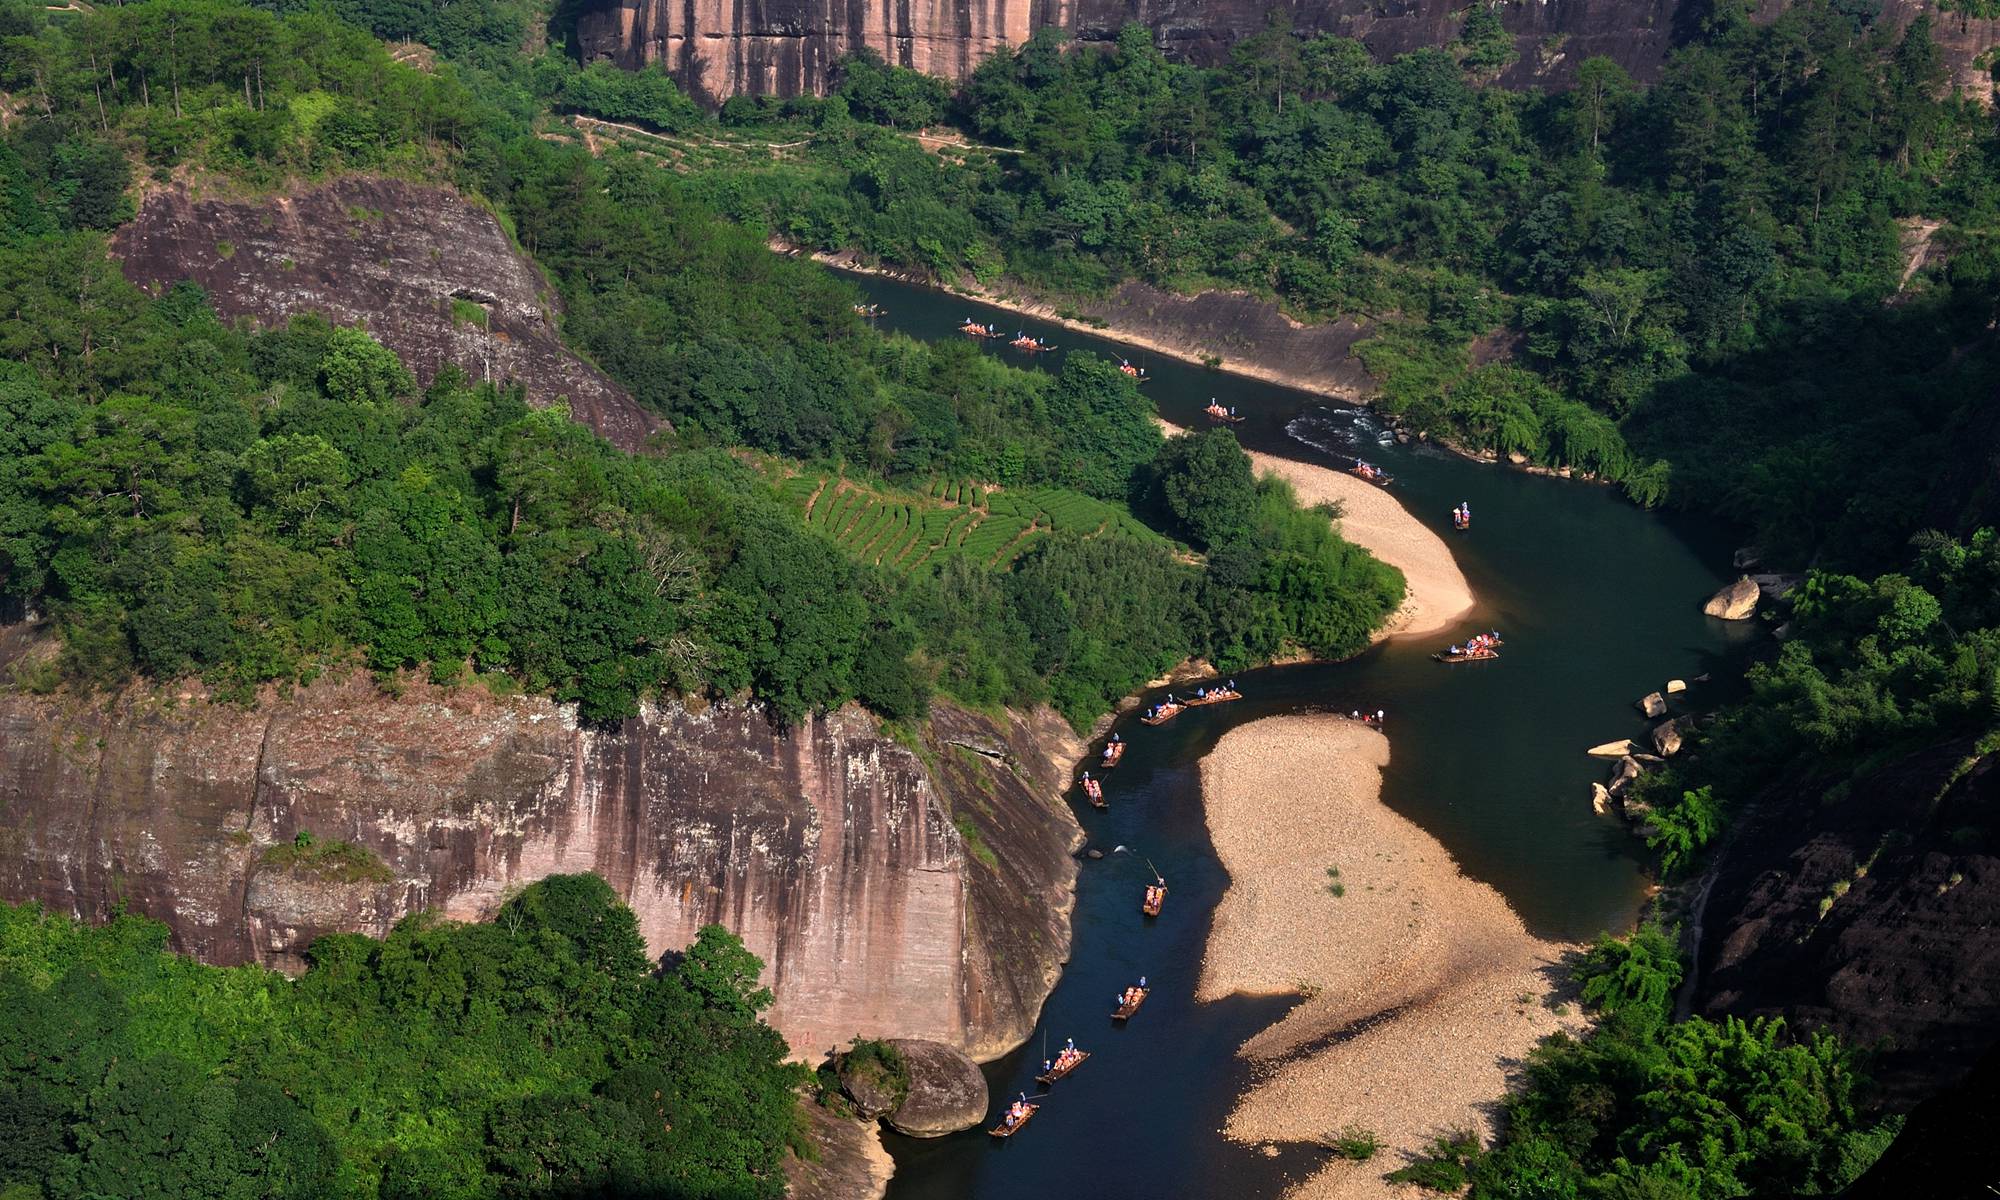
[
  {"x": 785, "y": 47},
  {"x": 841, "y": 857},
  {"x": 1869, "y": 910}
]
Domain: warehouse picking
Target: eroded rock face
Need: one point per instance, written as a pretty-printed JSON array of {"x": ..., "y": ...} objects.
[
  {"x": 947, "y": 1092},
  {"x": 787, "y": 47},
  {"x": 833, "y": 851},
  {"x": 390, "y": 256},
  {"x": 1868, "y": 912}
]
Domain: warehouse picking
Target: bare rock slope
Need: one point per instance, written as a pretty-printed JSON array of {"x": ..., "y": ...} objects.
[{"x": 427, "y": 271}]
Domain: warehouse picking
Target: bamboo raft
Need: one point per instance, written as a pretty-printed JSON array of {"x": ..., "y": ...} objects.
[
  {"x": 1004, "y": 1130},
  {"x": 1378, "y": 478},
  {"x": 1095, "y": 791},
  {"x": 1166, "y": 713},
  {"x": 1447, "y": 657},
  {"x": 1031, "y": 345},
  {"x": 1113, "y": 751},
  {"x": 1156, "y": 899},
  {"x": 1048, "y": 1077},
  {"x": 975, "y": 329},
  {"x": 1216, "y": 412},
  {"x": 1215, "y": 696},
  {"x": 1125, "y": 1010}
]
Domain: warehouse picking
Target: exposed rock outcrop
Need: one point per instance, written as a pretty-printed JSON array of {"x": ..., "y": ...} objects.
[
  {"x": 429, "y": 273},
  {"x": 947, "y": 1092},
  {"x": 885, "y": 897},
  {"x": 1737, "y": 602},
  {"x": 1653, "y": 705},
  {"x": 1868, "y": 910},
  {"x": 786, "y": 48},
  {"x": 1667, "y": 738}
]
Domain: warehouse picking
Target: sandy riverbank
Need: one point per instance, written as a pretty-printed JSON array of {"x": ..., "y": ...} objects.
[
  {"x": 1424, "y": 987},
  {"x": 1437, "y": 595}
]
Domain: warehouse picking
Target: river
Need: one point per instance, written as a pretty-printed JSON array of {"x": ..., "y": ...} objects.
[{"x": 1599, "y": 603}]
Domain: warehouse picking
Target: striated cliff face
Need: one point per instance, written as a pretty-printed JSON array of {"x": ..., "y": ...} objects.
[
  {"x": 785, "y": 47},
  {"x": 887, "y": 897},
  {"x": 390, "y": 256},
  {"x": 1869, "y": 911}
]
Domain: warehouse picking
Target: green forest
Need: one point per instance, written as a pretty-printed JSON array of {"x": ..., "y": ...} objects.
[
  {"x": 256, "y": 507},
  {"x": 536, "y": 1054},
  {"x": 1695, "y": 290}
]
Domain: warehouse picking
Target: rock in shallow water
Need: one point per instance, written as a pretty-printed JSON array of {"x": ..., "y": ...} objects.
[
  {"x": 1737, "y": 602},
  {"x": 1653, "y": 704},
  {"x": 947, "y": 1092}
]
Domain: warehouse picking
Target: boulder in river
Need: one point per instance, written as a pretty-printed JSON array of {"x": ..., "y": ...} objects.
[
  {"x": 1628, "y": 770},
  {"x": 1617, "y": 749},
  {"x": 1600, "y": 799},
  {"x": 946, "y": 1091},
  {"x": 1676, "y": 686},
  {"x": 1737, "y": 602},
  {"x": 1653, "y": 705},
  {"x": 1667, "y": 738}
]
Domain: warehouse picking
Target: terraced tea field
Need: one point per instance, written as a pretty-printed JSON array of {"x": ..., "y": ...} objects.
[{"x": 911, "y": 531}]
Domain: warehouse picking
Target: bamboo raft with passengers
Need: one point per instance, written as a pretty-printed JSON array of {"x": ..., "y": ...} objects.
[
  {"x": 1031, "y": 345},
  {"x": 1479, "y": 648},
  {"x": 1114, "y": 750},
  {"x": 1156, "y": 897},
  {"x": 1135, "y": 374},
  {"x": 1017, "y": 1117},
  {"x": 1130, "y": 1001},
  {"x": 975, "y": 329},
  {"x": 1160, "y": 714},
  {"x": 1069, "y": 1060},
  {"x": 1216, "y": 412},
  {"x": 1372, "y": 473},
  {"x": 1094, "y": 790},
  {"x": 1221, "y": 695}
]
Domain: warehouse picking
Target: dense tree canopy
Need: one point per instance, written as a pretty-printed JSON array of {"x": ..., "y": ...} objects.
[{"x": 536, "y": 1055}]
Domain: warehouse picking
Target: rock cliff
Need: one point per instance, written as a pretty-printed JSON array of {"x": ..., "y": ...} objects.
[
  {"x": 1869, "y": 909},
  {"x": 889, "y": 890},
  {"x": 784, "y": 47},
  {"x": 425, "y": 270}
]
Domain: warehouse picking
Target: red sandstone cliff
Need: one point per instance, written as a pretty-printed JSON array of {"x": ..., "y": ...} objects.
[
  {"x": 784, "y": 47},
  {"x": 836, "y": 853}
]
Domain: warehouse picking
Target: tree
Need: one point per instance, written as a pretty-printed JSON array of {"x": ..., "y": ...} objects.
[{"x": 1204, "y": 483}]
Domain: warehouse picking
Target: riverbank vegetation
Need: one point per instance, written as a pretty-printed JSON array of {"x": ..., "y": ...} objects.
[
  {"x": 1678, "y": 1110},
  {"x": 538, "y": 1054},
  {"x": 182, "y": 497},
  {"x": 1694, "y": 289}
]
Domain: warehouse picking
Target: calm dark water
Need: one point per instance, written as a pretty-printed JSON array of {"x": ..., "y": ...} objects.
[{"x": 1599, "y": 603}]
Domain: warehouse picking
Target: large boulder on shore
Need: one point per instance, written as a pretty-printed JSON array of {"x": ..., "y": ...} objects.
[
  {"x": 1667, "y": 738},
  {"x": 1653, "y": 704},
  {"x": 1737, "y": 602},
  {"x": 947, "y": 1092},
  {"x": 1628, "y": 770},
  {"x": 1617, "y": 749}
]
